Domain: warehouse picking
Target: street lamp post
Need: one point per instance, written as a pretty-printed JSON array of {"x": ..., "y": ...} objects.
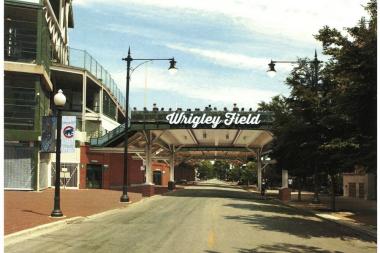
[
  {"x": 59, "y": 101},
  {"x": 315, "y": 62},
  {"x": 172, "y": 68}
]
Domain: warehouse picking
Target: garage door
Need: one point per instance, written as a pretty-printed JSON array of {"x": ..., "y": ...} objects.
[{"x": 18, "y": 167}]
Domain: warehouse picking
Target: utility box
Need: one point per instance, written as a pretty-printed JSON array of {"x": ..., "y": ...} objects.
[{"x": 171, "y": 185}]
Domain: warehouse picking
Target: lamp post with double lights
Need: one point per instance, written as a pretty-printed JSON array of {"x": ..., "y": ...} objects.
[
  {"x": 59, "y": 102},
  {"x": 172, "y": 69},
  {"x": 315, "y": 63}
]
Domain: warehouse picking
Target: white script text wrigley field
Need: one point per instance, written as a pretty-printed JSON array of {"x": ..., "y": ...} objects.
[{"x": 229, "y": 119}]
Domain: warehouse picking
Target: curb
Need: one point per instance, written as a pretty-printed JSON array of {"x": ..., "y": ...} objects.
[
  {"x": 357, "y": 229},
  {"x": 39, "y": 230},
  {"x": 29, "y": 233}
]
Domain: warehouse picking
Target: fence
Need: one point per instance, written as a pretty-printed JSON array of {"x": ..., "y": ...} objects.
[{"x": 81, "y": 59}]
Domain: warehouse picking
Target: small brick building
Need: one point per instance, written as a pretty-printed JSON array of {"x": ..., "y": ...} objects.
[
  {"x": 359, "y": 185},
  {"x": 106, "y": 169}
]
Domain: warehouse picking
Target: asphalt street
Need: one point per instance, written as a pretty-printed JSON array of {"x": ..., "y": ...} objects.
[{"x": 211, "y": 217}]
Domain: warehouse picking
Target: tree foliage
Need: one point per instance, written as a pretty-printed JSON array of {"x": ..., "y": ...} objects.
[
  {"x": 328, "y": 123},
  {"x": 351, "y": 72}
]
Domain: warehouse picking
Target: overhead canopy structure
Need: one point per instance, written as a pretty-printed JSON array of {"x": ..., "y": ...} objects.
[
  {"x": 178, "y": 136},
  {"x": 197, "y": 143}
]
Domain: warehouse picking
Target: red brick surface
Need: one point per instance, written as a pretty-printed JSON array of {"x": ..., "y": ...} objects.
[
  {"x": 25, "y": 209},
  {"x": 284, "y": 194},
  {"x": 113, "y": 175},
  {"x": 144, "y": 189}
]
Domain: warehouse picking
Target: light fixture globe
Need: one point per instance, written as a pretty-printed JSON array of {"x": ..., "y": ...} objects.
[
  {"x": 172, "y": 67},
  {"x": 59, "y": 99},
  {"x": 271, "y": 74}
]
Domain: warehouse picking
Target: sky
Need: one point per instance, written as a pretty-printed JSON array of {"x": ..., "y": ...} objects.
[{"x": 222, "y": 48}]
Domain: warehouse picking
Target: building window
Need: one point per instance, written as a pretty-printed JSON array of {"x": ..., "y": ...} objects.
[
  {"x": 20, "y": 34},
  {"x": 109, "y": 107},
  {"x": 19, "y": 101}
]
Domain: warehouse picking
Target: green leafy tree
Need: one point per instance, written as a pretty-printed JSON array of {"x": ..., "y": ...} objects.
[
  {"x": 350, "y": 113},
  {"x": 206, "y": 170},
  {"x": 248, "y": 173},
  {"x": 221, "y": 169},
  {"x": 293, "y": 145},
  {"x": 328, "y": 123},
  {"x": 352, "y": 71}
]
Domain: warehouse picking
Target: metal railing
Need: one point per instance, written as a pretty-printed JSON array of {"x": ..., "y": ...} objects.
[
  {"x": 108, "y": 136},
  {"x": 82, "y": 59}
]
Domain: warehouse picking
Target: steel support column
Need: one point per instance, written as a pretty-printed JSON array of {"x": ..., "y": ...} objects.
[
  {"x": 172, "y": 161},
  {"x": 259, "y": 177},
  {"x": 148, "y": 159},
  {"x": 284, "y": 179}
]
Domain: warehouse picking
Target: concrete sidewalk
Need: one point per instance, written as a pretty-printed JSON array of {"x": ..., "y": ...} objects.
[{"x": 27, "y": 209}]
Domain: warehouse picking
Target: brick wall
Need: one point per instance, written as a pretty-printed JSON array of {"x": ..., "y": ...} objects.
[{"x": 113, "y": 174}]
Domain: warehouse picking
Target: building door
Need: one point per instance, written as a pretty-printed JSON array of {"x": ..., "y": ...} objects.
[
  {"x": 94, "y": 177},
  {"x": 157, "y": 177},
  {"x": 361, "y": 190},
  {"x": 352, "y": 190}
]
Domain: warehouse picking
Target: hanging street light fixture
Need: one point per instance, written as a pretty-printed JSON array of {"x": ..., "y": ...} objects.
[{"x": 172, "y": 69}]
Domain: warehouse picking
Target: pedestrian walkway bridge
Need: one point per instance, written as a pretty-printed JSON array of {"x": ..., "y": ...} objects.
[{"x": 177, "y": 136}]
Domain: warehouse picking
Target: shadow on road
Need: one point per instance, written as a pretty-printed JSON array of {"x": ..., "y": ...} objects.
[
  {"x": 287, "y": 248},
  {"x": 225, "y": 186},
  {"x": 213, "y": 193},
  {"x": 273, "y": 216},
  {"x": 283, "y": 219}
]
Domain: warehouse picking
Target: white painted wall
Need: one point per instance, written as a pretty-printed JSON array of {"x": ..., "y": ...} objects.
[{"x": 107, "y": 123}]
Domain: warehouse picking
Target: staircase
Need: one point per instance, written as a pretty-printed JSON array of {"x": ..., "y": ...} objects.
[{"x": 105, "y": 139}]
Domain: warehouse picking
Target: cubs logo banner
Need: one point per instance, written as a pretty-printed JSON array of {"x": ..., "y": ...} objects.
[{"x": 68, "y": 134}]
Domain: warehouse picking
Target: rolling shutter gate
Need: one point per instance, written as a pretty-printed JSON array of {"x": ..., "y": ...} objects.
[{"x": 19, "y": 169}]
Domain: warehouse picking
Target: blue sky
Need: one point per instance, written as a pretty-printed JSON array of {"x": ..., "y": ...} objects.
[{"x": 222, "y": 47}]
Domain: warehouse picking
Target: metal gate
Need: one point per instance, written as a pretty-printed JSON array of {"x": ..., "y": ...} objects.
[
  {"x": 69, "y": 178},
  {"x": 19, "y": 167}
]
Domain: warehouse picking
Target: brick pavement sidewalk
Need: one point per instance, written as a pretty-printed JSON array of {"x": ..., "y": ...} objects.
[{"x": 27, "y": 209}]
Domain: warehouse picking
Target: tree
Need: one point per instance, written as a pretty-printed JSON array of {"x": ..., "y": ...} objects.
[
  {"x": 350, "y": 114},
  {"x": 221, "y": 169},
  {"x": 205, "y": 169},
  {"x": 248, "y": 173},
  {"x": 293, "y": 144},
  {"x": 352, "y": 70}
]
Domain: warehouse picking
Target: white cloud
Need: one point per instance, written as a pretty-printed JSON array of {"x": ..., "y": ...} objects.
[
  {"x": 295, "y": 19},
  {"x": 223, "y": 58},
  {"x": 227, "y": 59},
  {"x": 183, "y": 85}
]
